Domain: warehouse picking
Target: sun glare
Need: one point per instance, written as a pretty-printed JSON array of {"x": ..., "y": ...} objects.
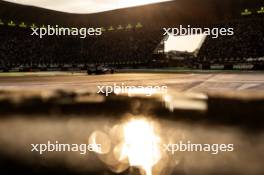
[
  {"x": 141, "y": 145},
  {"x": 129, "y": 3},
  {"x": 85, "y": 6}
]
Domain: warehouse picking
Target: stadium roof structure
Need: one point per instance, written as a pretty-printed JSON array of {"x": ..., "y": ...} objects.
[{"x": 164, "y": 14}]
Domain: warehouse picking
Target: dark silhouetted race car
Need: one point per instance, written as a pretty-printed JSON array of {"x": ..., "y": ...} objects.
[{"x": 99, "y": 69}]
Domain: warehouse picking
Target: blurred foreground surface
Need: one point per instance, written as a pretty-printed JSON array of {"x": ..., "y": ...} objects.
[{"x": 201, "y": 108}]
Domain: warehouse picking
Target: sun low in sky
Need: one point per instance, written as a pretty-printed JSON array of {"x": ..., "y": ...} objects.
[{"x": 84, "y": 6}]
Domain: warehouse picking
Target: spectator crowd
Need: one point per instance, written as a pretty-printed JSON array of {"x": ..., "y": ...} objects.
[{"x": 19, "y": 48}]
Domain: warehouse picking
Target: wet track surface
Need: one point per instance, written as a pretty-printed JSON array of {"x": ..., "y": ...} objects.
[{"x": 194, "y": 82}]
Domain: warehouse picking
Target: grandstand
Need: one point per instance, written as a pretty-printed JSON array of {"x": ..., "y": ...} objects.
[
  {"x": 244, "y": 50},
  {"x": 131, "y": 35}
]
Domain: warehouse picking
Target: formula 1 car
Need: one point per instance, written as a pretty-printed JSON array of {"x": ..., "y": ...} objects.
[{"x": 99, "y": 69}]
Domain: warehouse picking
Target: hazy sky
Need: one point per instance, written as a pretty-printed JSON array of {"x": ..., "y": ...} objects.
[{"x": 84, "y": 6}]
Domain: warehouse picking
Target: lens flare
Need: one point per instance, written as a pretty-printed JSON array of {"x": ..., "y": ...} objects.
[
  {"x": 141, "y": 144},
  {"x": 98, "y": 137}
]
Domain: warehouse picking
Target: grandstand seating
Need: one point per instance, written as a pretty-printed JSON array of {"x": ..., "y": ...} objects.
[
  {"x": 20, "y": 48},
  {"x": 245, "y": 46}
]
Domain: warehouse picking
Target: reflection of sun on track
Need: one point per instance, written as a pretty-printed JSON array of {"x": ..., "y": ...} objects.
[
  {"x": 141, "y": 144},
  {"x": 138, "y": 145}
]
